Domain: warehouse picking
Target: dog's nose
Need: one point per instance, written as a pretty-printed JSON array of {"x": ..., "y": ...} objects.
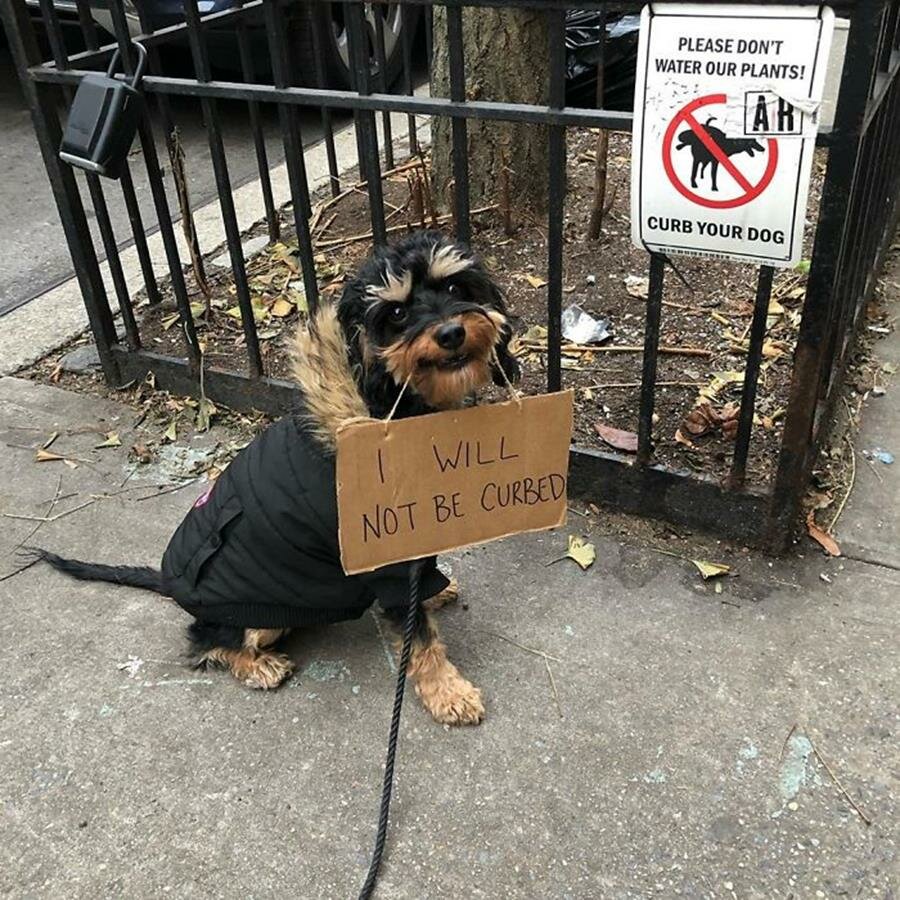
[{"x": 450, "y": 336}]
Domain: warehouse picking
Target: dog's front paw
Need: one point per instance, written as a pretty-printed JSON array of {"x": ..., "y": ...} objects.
[
  {"x": 268, "y": 671},
  {"x": 451, "y": 699}
]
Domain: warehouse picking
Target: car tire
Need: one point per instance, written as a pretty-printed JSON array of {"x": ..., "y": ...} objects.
[{"x": 328, "y": 18}]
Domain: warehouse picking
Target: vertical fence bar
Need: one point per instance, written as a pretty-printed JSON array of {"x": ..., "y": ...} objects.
[
  {"x": 88, "y": 28},
  {"x": 136, "y": 221},
  {"x": 429, "y": 41},
  {"x": 556, "y": 199},
  {"x": 459, "y": 128},
  {"x": 831, "y": 238},
  {"x": 751, "y": 377},
  {"x": 359, "y": 58},
  {"x": 91, "y": 41},
  {"x": 160, "y": 200},
  {"x": 170, "y": 137},
  {"x": 407, "y": 20},
  {"x": 95, "y": 189},
  {"x": 378, "y": 24},
  {"x": 293, "y": 151},
  {"x": 651, "y": 358},
  {"x": 41, "y": 103},
  {"x": 316, "y": 23},
  {"x": 248, "y": 72},
  {"x": 354, "y": 85},
  {"x": 223, "y": 186}
]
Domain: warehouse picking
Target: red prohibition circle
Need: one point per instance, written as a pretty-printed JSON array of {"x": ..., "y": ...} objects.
[{"x": 686, "y": 115}]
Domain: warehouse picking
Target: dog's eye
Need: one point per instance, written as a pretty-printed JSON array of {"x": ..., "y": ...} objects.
[
  {"x": 397, "y": 314},
  {"x": 453, "y": 290}
]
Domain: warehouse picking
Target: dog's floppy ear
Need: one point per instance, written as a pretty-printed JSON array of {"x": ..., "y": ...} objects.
[
  {"x": 351, "y": 310},
  {"x": 505, "y": 359}
]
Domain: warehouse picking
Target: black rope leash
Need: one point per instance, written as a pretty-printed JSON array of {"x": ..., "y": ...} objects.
[{"x": 409, "y": 628}]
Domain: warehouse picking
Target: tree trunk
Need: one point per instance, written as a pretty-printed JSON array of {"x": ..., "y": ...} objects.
[{"x": 506, "y": 59}]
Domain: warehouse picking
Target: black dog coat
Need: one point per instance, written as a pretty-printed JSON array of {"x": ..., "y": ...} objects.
[{"x": 260, "y": 550}]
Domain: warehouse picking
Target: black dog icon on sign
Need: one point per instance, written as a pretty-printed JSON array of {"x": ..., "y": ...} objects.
[{"x": 703, "y": 157}]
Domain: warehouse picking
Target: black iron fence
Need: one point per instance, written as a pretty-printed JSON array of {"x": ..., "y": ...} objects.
[{"x": 856, "y": 221}]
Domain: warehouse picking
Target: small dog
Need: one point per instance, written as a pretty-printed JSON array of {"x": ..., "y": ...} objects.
[{"x": 419, "y": 329}]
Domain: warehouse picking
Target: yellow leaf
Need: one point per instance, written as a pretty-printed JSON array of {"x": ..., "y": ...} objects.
[
  {"x": 112, "y": 440},
  {"x": 47, "y": 456},
  {"x": 169, "y": 321},
  {"x": 198, "y": 309},
  {"x": 206, "y": 409},
  {"x": 282, "y": 308},
  {"x": 535, "y": 282},
  {"x": 582, "y": 552},
  {"x": 710, "y": 569},
  {"x": 535, "y": 333},
  {"x": 171, "y": 433}
]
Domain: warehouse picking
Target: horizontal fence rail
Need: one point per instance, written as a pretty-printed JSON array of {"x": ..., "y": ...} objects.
[{"x": 856, "y": 221}]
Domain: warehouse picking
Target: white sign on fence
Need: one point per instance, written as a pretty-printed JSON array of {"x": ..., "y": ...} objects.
[{"x": 725, "y": 119}]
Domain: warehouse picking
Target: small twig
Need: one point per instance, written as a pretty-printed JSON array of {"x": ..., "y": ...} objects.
[
  {"x": 577, "y": 512},
  {"x": 509, "y": 640},
  {"x": 837, "y": 782},
  {"x": 637, "y": 384},
  {"x": 620, "y": 348},
  {"x": 328, "y": 223},
  {"x": 21, "y": 568},
  {"x": 394, "y": 229},
  {"x": 784, "y": 745},
  {"x": 843, "y": 503},
  {"x": 553, "y": 687},
  {"x": 170, "y": 490},
  {"x": 53, "y": 502},
  {"x": 42, "y": 519}
]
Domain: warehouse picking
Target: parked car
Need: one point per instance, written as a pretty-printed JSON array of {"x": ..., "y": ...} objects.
[
  {"x": 583, "y": 31},
  {"x": 390, "y": 18}
]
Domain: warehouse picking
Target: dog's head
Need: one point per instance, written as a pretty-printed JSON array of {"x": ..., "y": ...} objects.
[{"x": 426, "y": 312}]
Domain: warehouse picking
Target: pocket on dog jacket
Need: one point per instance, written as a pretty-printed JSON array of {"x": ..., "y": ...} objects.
[{"x": 260, "y": 550}]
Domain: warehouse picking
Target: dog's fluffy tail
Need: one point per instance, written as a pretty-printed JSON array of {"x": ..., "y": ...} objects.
[{"x": 134, "y": 576}]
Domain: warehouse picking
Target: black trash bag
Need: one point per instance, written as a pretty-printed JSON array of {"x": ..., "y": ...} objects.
[{"x": 583, "y": 54}]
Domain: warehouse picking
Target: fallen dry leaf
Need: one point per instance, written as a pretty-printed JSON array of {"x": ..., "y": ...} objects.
[
  {"x": 206, "y": 409},
  {"x": 582, "y": 552},
  {"x": 535, "y": 333},
  {"x": 535, "y": 282},
  {"x": 47, "y": 456},
  {"x": 685, "y": 442},
  {"x": 626, "y": 441},
  {"x": 705, "y": 418},
  {"x": 820, "y": 536},
  {"x": 281, "y": 308},
  {"x": 112, "y": 440},
  {"x": 141, "y": 453},
  {"x": 710, "y": 569},
  {"x": 637, "y": 286},
  {"x": 171, "y": 433}
]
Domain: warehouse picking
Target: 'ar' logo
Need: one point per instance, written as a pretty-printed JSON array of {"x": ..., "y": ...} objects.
[{"x": 765, "y": 113}]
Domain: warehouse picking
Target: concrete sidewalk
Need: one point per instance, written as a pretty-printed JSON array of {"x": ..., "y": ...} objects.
[{"x": 671, "y": 771}]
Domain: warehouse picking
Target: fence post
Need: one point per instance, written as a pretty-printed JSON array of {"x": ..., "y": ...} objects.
[
  {"x": 65, "y": 189},
  {"x": 823, "y": 285}
]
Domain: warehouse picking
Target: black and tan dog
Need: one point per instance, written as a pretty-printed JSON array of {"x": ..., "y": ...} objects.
[{"x": 421, "y": 327}]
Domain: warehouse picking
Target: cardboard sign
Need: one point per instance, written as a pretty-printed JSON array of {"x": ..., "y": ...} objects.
[
  {"x": 725, "y": 118},
  {"x": 415, "y": 487}
]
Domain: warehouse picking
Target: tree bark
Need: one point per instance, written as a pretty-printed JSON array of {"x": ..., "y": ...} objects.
[{"x": 506, "y": 59}]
